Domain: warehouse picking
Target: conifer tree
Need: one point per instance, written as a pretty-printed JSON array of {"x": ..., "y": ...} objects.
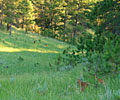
[
  {"x": 26, "y": 12},
  {"x": 10, "y": 11},
  {"x": 1, "y": 12}
]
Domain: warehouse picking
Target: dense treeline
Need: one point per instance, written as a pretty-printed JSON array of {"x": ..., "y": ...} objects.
[{"x": 62, "y": 19}]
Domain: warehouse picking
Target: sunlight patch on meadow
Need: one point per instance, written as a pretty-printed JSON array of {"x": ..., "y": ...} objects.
[
  {"x": 61, "y": 46},
  {"x": 41, "y": 51},
  {"x": 9, "y": 49}
]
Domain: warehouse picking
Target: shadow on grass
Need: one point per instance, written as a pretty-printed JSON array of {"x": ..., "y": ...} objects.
[{"x": 15, "y": 63}]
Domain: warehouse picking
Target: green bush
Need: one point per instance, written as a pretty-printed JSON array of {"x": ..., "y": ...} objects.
[{"x": 101, "y": 51}]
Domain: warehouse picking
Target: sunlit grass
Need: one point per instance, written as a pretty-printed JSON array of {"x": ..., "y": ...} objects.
[
  {"x": 31, "y": 77},
  {"x": 8, "y": 49},
  {"x": 61, "y": 46}
]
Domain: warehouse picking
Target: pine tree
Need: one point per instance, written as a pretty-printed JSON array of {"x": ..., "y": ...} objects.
[
  {"x": 105, "y": 16},
  {"x": 10, "y": 11},
  {"x": 1, "y": 13},
  {"x": 26, "y": 12}
]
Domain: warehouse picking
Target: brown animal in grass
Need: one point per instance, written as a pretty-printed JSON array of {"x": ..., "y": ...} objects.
[
  {"x": 82, "y": 84},
  {"x": 101, "y": 81}
]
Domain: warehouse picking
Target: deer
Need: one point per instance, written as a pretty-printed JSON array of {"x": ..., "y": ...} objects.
[{"x": 82, "y": 84}]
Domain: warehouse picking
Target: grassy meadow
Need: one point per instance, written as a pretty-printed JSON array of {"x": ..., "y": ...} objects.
[{"x": 25, "y": 73}]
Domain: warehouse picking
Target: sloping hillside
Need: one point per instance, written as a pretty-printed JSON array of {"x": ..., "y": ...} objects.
[
  {"x": 32, "y": 48},
  {"x": 25, "y": 73}
]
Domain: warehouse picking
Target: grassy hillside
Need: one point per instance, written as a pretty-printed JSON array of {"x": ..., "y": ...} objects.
[{"x": 25, "y": 73}]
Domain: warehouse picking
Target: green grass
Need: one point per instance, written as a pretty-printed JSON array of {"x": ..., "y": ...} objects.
[{"x": 25, "y": 73}]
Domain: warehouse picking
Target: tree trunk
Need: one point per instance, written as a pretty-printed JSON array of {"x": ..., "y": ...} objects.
[
  {"x": 49, "y": 15},
  {"x": 1, "y": 13},
  {"x": 44, "y": 24},
  {"x": 96, "y": 75},
  {"x": 49, "y": 21},
  {"x": 116, "y": 68},
  {"x": 76, "y": 23},
  {"x": 43, "y": 18},
  {"x": 72, "y": 34},
  {"x": 23, "y": 23},
  {"x": 54, "y": 27},
  {"x": 51, "y": 26},
  {"x": 64, "y": 24},
  {"x": 10, "y": 29},
  {"x": 26, "y": 29}
]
